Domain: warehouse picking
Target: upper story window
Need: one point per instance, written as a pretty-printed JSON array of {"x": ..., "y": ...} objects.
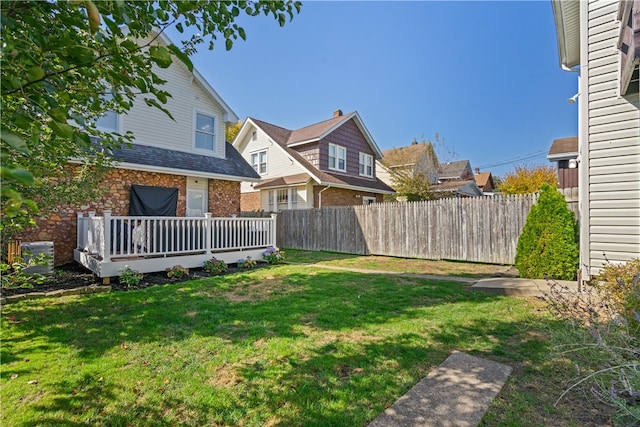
[
  {"x": 205, "y": 136},
  {"x": 259, "y": 161},
  {"x": 366, "y": 165},
  {"x": 109, "y": 121},
  {"x": 337, "y": 157}
]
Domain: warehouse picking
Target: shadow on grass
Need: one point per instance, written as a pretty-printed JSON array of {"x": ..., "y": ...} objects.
[{"x": 344, "y": 381}]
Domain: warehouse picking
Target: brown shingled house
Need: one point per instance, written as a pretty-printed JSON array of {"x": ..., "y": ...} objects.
[
  {"x": 330, "y": 163},
  {"x": 564, "y": 152}
]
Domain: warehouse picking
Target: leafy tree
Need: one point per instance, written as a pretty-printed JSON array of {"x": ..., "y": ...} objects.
[
  {"x": 64, "y": 64},
  {"x": 528, "y": 179},
  {"x": 548, "y": 247},
  {"x": 232, "y": 131},
  {"x": 414, "y": 169}
]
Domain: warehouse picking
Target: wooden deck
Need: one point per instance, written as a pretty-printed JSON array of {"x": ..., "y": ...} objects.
[{"x": 107, "y": 244}]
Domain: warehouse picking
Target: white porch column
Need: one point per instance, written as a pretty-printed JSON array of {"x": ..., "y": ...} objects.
[
  {"x": 81, "y": 234},
  {"x": 273, "y": 227},
  {"x": 208, "y": 232},
  {"x": 105, "y": 249}
]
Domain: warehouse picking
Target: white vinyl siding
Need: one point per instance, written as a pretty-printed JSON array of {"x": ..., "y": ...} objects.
[
  {"x": 613, "y": 147},
  {"x": 151, "y": 126}
]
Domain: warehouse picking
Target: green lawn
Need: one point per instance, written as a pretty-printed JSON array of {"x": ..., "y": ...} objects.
[
  {"x": 286, "y": 345},
  {"x": 399, "y": 265}
]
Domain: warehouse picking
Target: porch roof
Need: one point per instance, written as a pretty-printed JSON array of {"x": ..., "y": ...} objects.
[
  {"x": 284, "y": 181},
  {"x": 234, "y": 167}
]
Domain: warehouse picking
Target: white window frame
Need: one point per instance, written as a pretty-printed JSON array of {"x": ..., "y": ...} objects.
[
  {"x": 339, "y": 153},
  {"x": 203, "y": 194},
  {"x": 259, "y": 161},
  {"x": 108, "y": 97},
  {"x": 368, "y": 200},
  {"x": 277, "y": 200},
  {"x": 366, "y": 162},
  {"x": 196, "y": 131}
]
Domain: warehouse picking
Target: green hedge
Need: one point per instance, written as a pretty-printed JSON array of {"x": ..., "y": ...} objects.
[{"x": 548, "y": 246}]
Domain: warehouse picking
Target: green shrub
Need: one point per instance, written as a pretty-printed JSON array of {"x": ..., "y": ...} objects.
[
  {"x": 214, "y": 266},
  {"x": 177, "y": 272},
  {"x": 14, "y": 275},
  {"x": 548, "y": 247},
  {"x": 130, "y": 277}
]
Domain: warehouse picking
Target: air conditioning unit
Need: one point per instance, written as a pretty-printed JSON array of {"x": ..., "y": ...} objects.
[{"x": 33, "y": 249}]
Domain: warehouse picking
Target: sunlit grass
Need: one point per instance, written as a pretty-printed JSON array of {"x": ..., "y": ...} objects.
[
  {"x": 286, "y": 345},
  {"x": 398, "y": 265}
]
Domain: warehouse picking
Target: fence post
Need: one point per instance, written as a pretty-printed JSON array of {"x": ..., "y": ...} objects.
[
  {"x": 273, "y": 228},
  {"x": 208, "y": 231},
  {"x": 105, "y": 249},
  {"x": 80, "y": 236}
]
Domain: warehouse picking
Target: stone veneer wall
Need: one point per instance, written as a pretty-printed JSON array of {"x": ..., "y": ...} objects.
[
  {"x": 250, "y": 202},
  {"x": 224, "y": 198},
  {"x": 342, "y": 197},
  {"x": 61, "y": 225}
]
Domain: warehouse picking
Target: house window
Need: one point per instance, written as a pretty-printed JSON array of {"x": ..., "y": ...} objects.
[
  {"x": 337, "y": 157},
  {"x": 259, "y": 161},
  {"x": 366, "y": 200},
  {"x": 109, "y": 121},
  {"x": 366, "y": 165},
  {"x": 205, "y": 132},
  {"x": 283, "y": 199}
]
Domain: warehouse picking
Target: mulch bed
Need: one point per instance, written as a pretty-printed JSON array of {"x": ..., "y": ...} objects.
[{"x": 71, "y": 276}]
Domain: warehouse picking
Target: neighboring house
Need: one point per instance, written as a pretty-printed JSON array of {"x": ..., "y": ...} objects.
[
  {"x": 600, "y": 40},
  {"x": 331, "y": 163},
  {"x": 457, "y": 179},
  {"x": 484, "y": 180},
  {"x": 564, "y": 152},
  {"x": 451, "y": 179},
  {"x": 181, "y": 167}
]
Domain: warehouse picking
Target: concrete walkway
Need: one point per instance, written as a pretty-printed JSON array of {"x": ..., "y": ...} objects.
[{"x": 457, "y": 393}]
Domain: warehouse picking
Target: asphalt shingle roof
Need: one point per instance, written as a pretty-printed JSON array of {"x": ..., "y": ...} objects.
[{"x": 234, "y": 165}]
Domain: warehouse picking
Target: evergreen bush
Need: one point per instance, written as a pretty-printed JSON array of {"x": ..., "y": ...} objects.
[{"x": 548, "y": 246}]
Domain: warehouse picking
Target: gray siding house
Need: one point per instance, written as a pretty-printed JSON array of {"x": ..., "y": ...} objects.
[{"x": 600, "y": 41}]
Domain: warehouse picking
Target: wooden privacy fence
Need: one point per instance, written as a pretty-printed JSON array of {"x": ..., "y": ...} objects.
[{"x": 471, "y": 229}]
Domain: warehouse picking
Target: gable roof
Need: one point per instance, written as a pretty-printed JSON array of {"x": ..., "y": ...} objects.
[
  {"x": 563, "y": 148},
  {"x": 406, "y": 156},
  {"x": 459, "y": 188},
  {"x": 453, "y": 170},
  {"x": 482, "y": 178},
  {"x": 142, "y": 157},
  {"x": 281, "y": 136},
  {"x": 316, "y": 131}
]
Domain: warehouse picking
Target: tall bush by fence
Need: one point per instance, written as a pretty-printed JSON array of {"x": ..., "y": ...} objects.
[{"x": 470, "y": 229}]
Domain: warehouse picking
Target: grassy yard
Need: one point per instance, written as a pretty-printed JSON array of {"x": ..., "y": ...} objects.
[
  {"x": 286, "y": 345},
  {"x": 400, "y": 265}
]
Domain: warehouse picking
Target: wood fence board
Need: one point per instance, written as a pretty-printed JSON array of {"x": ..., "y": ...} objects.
[{"x": 473, "y": 229}]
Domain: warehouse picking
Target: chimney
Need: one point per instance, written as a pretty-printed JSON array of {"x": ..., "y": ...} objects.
[
  {"x": 337, "y": 113},
  {"x": 477, "y": 171}
]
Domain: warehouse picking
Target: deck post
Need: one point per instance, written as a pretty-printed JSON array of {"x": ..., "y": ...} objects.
[
  {"x": 273, "y": 227},
  {"x": 105, "y": 250},
  {"x": 208, "y": 231},
  {"x": 81, "y": 234}
]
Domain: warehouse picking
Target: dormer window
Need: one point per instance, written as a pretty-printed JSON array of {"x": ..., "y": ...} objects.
[
  {"x": 337, "y": 158},
  {"x": 205, "y": 136}
]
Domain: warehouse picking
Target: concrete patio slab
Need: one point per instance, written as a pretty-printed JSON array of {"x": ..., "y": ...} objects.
[
  {"x": 456, "y": 393},
  {"x": 521, "y": 287}
]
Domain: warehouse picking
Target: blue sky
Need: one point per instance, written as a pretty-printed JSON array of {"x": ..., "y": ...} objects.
[{"x": 483, "y": 75}]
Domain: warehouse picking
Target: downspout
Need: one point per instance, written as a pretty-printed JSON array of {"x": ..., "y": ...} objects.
[
  {"x": 584, "y": 201},
  {"x": 320, "y": 195}
]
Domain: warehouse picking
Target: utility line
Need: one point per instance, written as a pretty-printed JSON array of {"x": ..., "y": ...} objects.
[{"x": 529, "y": 156}]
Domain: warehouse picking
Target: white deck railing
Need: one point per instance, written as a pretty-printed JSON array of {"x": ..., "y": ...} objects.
[{"x": 111, "y": 237}]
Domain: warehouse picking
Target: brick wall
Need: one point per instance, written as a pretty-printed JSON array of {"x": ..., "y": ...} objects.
[
  {"x": 60, "y": 225},
  {"x": 342, "y": 197},
  {"x": 250, "y": 202}
]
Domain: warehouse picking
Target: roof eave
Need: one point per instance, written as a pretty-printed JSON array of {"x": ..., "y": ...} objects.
[
  {"x": 567, "y": 22},
  {"x": 562, "y": 156}
]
